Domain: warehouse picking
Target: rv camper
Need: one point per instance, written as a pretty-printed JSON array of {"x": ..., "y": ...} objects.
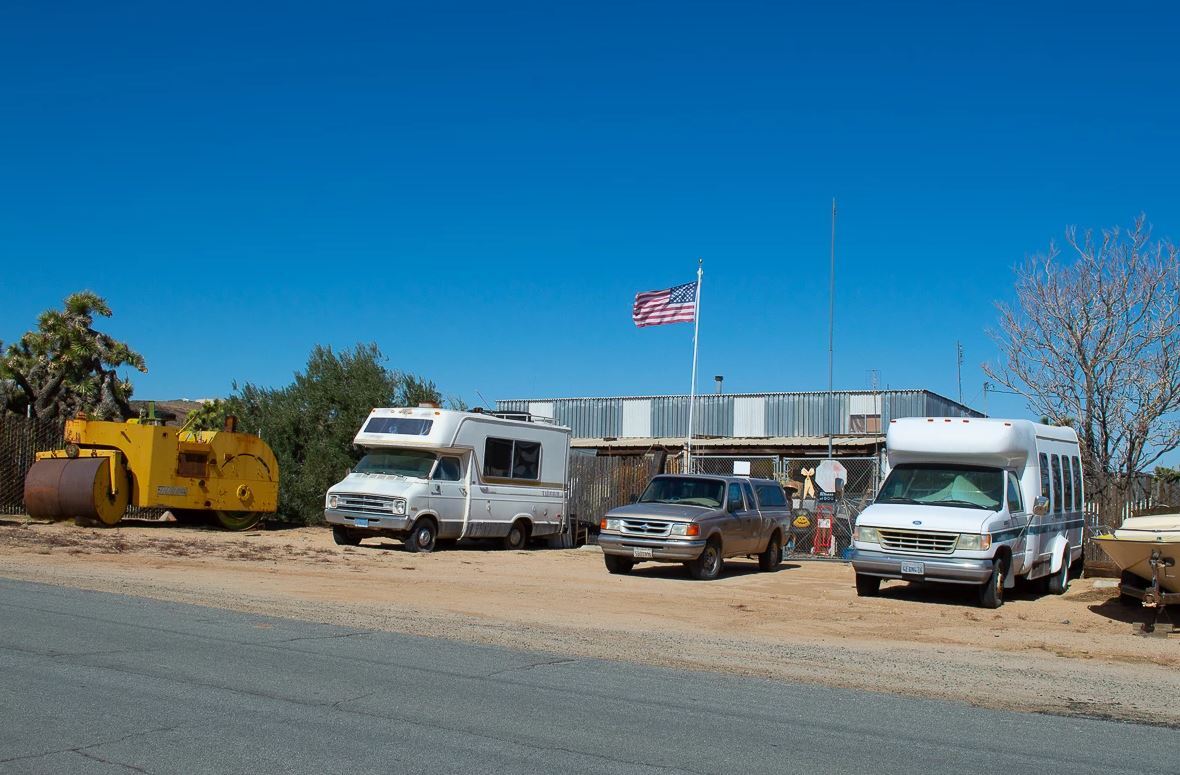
[
  {"x": 433, "y": 475},
  {"x": 974, "y": 501}
]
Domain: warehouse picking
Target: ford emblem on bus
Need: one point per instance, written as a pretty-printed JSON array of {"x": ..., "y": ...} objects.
[{"x": 917, "y": 521}]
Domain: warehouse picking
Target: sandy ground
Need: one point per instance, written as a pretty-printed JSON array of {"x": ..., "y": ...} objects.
[{"x": 1078, "y": 654}]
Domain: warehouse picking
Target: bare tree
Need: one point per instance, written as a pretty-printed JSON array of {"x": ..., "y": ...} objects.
[{"x": 1093, "y": 341}]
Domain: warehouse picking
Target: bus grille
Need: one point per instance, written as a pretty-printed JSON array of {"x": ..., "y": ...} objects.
[{"x": 918, "y": 541}]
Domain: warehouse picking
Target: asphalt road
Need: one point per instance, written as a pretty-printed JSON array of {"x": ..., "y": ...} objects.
[{"x": 99, "y": 683}]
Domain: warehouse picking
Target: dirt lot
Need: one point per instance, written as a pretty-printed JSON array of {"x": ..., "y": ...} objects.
[{"x": 1075, "y": 654}]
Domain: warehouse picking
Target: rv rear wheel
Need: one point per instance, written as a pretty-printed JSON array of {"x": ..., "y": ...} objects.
[
  {"x": 616, "y": 564},
  {"x": 422, "y": 538},
  {"x": 991, "y": 592},
  {"x": 1059, "y": 581},
  {"x": 518, "y": 535}
]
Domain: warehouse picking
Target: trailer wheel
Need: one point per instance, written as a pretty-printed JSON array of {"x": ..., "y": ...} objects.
[
  {"x": 616, "y": 564},
  {"x": 867, "y": 586},
  {"x": 422, "y": 538},
  {"x": 345, "y": 537},
  {"x": 518, "y": 535},
  {"x": 991, "y": 592},
  {"x": 1059, "y": 581}
]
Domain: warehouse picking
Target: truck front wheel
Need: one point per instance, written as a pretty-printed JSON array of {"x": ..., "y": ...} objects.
[
  {"x": 708, "y": 566},
  {"x": 616, "y": 564},
  {"x": 867, "y": 586}
]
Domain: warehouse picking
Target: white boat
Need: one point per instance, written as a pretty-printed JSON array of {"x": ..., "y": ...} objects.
[{"x": 1133, "y": 546}]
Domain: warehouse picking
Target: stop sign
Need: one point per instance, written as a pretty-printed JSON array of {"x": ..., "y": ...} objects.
[{"x": 827, "y": 472}]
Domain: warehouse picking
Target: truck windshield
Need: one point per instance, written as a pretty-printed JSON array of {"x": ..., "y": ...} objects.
[
  {"x": 398, "y": 462},
  {"x": 973, "y": 487},
  {"x": 692, "y": 492}
]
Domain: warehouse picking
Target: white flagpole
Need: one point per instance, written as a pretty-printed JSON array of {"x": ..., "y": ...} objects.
[{"x": 692, "y": 393}]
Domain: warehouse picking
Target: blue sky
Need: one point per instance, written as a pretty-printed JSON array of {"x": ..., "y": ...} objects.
[{"x": 482, "y": 189}]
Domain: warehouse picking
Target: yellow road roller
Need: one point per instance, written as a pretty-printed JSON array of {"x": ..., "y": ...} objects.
[{"x": 223, "y": 477}]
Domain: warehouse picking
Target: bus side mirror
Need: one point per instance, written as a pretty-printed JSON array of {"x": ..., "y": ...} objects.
[{"x": 1040, "y": 506}]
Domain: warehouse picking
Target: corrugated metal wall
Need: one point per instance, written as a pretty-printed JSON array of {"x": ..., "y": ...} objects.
[{"x": 756, "y": 415}]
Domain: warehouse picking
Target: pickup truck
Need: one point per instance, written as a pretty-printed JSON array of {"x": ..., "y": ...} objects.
[{"x": 698, "y": 520}]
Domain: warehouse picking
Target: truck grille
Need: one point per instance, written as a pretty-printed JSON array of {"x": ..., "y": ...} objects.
[
  {"x": 365, "y": 504},
  {"x": 645, "y": 527},
  {"x": 918, "y": 541}
]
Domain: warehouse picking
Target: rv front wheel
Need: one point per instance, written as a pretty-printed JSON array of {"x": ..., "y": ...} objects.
[
  {"x": 991, "y": 593},
  {"x": 345, "y": 537},
  {"x": 422, "y": 538}
]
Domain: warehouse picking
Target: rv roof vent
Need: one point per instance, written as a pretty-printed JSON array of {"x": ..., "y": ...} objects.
[{"x": 428, "y": 405}]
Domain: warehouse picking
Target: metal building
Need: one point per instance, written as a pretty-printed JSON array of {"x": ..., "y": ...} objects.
[{"x": 775, "y": 423}]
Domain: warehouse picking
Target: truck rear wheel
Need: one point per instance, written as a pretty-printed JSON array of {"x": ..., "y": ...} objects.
[
  {"x": 617, "y": 564},
  {"x": 770, "y": 559},
  {"x": 867, "y": 586}
]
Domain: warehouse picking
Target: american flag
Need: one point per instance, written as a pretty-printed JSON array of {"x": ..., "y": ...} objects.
[{"x": 672, "y": 305}]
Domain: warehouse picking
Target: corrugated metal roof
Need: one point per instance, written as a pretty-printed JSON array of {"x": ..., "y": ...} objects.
[{"x": 697, "y": 444}]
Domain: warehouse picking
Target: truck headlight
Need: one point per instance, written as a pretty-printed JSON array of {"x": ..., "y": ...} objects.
[
  {"x": 333, "y": 501},
  {"x": 610, "y": 524},
  {"x": 868, "y": 535},
  {"x": 685, "y": 529},
  {"x": 974, "y": 542},
  {"x": 399, "y": 506}
]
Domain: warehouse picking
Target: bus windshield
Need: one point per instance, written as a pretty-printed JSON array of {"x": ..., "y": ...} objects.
[
  {"x": 414, "y": 463},
  {"x": 927, "y": 484},
  {"x": 692, "y": 492}
]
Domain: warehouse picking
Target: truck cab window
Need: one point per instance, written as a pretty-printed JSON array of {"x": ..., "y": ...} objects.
[{"x": 735, "y": 498}]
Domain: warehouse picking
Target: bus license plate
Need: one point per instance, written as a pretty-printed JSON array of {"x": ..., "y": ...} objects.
[
  {"x": 640, "y": 553},
  {"x": 913, "y": 569},
  {"x": 361, "y": 522}
]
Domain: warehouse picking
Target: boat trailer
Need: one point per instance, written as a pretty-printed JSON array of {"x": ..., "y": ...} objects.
[{"x": 1153, "y": 596}]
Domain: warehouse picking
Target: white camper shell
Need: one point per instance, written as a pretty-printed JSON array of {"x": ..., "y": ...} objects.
[
  {"x": 974, "y": 501},
  {"x": 432, "y": 474}
]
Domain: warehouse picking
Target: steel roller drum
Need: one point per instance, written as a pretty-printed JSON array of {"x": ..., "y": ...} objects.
[{"x": 61, "y": 488}]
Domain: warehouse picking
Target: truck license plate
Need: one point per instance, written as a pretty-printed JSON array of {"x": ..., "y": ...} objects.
[
  {"x": 913, "y": 569},
  {"x": 639, "y": 553},
  {"x": 361, "y": 522}
]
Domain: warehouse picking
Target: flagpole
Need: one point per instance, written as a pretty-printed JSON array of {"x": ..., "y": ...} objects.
[{"x": 692, "y": 393}]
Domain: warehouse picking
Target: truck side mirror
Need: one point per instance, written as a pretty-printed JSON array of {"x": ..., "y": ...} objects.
[{"x": 1040, "y": 506}]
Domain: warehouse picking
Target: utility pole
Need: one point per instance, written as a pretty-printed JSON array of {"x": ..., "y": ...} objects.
[
  {"x": 831, "y": 329},
  {"x": 959, "y": 351}
]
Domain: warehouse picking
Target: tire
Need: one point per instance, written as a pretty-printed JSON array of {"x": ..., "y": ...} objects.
[
  {"x": 991, "y": 592},
  {"x": 618, "y": 565},
  {"x": 344, "y": 537},
  {"x": 238, "y": 521},
  {"x": 708, "y": 566},
  {"x": 770, "y": 559},
  {"x": 518, "y": 536},
  {"x": 422, "y": 537},
  {"x": 867, "y": 586},
  {"x": 1059, "y": 581}
]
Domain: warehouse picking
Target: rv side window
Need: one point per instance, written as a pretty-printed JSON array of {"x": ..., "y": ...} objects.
[
  {"x": 1015, "y": 504},
  {"x": 497, "y": 457},
  {"x": 1078, "y": 500},
  {"x": 1067, "y": 483},
  {"x": 512, "y": 459},
  {"x": 1044, "y": 465},
  {"x": 526, "y": 460},
  {"x": 1056, "y": 483}
]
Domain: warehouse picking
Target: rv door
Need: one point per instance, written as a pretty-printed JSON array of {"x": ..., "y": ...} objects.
[{"x": 448, "y": 495}]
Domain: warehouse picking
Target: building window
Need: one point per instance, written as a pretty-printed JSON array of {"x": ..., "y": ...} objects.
[{"x": 864, "y": 423}]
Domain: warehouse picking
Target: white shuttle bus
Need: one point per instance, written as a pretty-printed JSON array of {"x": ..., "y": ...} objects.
[
  {"x": 433, "y": 475},
  {"x": 974, "y": 501}
]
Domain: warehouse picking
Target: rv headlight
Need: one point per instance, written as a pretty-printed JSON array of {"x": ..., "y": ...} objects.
[
  {"x": 333, "y": 500},
  {"x": 868, "y": 535},
  {"x": 685, "y": 529},
  {"x": 399, "y": 506},
  {"x": 974, "y": 542},
  {"x": 611, "y": 524}
]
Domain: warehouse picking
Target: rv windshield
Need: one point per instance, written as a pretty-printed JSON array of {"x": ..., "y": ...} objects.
[
  {"x": 397, "y": 462},
  {"x": 972, "y": 487},
  {"x": 691, "y": 492}
]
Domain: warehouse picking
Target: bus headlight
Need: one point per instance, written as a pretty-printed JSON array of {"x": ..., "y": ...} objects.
[
  {"x": 974, "y": 542},
  {"x": 868, "y": 535}
]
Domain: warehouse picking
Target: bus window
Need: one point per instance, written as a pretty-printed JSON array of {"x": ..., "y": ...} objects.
[
  {"x": 1044, "y": 461},
  {"x": 1067, "y": 483},
  {"x": 1057, "y": 483},
  {"x": 1079, "y": 502}
]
